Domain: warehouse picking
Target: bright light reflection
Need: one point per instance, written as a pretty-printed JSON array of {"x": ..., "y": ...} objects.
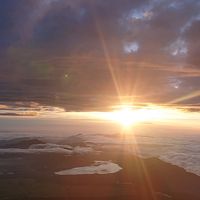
[{"x": 127, "y": 115}]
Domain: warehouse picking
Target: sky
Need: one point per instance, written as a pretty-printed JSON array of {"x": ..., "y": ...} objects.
[{"x": 87, "y": 50}]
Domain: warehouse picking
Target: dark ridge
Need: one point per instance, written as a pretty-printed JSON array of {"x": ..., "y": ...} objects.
[
  {"x": 75, "y": 140},
  {"x": 21, "y": 143},
  {"x": 33, "y": 178}
]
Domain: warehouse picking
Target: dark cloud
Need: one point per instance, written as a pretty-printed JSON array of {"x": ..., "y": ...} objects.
[{"x": 66, "y": 49}]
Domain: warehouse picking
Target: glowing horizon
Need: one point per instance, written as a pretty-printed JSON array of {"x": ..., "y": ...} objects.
[{"x": 128, "y": 115}]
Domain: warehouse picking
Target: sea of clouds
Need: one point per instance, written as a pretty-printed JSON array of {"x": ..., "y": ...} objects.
[
  {"x": 181, "y": 150},
  {"x": 171, "y": 142}
]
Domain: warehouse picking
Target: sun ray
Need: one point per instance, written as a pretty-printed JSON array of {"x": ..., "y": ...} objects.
[
  {"x": 107, "y": 56},
  {"x": 186, "y": 97}
]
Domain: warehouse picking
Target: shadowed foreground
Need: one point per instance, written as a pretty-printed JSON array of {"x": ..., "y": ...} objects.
[{"x": 32, "y": 176}]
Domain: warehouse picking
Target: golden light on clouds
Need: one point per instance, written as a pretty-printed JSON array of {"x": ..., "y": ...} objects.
[
  {"x": 125, "y": 116},
  {"x": 128, "y": 115}
]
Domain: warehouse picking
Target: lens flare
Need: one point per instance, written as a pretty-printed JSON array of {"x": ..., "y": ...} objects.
[{"x": 127, "y": 115}]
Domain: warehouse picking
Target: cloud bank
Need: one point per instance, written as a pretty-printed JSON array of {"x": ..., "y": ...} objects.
[{"x": 56, "y": 50}]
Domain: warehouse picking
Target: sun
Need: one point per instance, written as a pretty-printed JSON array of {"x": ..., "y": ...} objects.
[
  {"x": 128, "y": 115},
  {"x": 125, "y": 116}
]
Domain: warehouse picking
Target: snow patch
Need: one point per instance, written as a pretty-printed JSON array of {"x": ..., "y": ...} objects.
[{"x": 99, "y": 167}]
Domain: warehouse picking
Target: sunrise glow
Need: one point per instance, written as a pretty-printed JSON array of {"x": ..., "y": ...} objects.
[
  {"x": 128, "y": 115},
  {"x": 125, "y": 116}
]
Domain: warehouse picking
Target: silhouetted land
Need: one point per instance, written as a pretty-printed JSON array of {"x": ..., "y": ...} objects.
[{"x": 31, "y": 176}]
